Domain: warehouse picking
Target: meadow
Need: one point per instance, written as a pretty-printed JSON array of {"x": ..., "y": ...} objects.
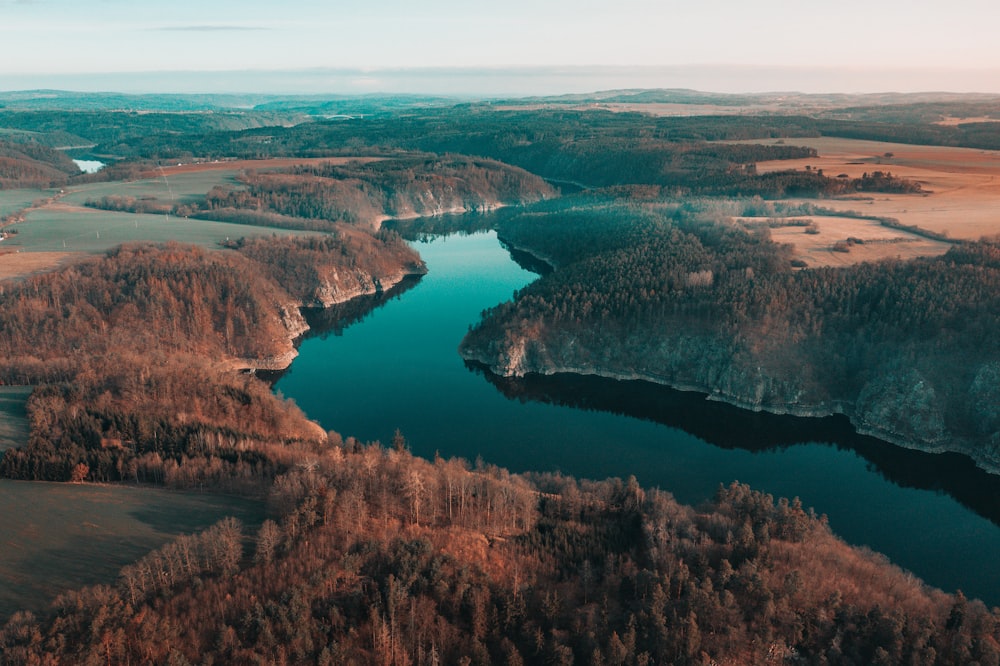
[
  {"x": 57, "y": 537},
  {"x": 62, "y": 228},
  {"x": 961, "y": 189},
  {"x": 12, "y": 201},
  {"x": 13, "y": 418},
  {"x": 826, "y": 243}
]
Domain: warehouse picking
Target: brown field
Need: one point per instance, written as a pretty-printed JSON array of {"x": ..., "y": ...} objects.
[
  {"x": 961, "y": 195},
  {"x": 20, "y": 264},
  {"x": 240, "y": 165},
  {"x": 952, "y": 120},
  {"x": 879, "y": 242}
]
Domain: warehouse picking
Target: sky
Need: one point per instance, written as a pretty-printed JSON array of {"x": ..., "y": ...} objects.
[{"x": 537, "y": 45}]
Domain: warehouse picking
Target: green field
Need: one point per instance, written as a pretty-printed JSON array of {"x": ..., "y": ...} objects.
[
  {"x": 15, "y": 200},
  {"x": 54, "y": 230},
  {"x": 13, "y": 419},
  {"x": 182, "y": 188},
  {"x": 57, "y": 537}
]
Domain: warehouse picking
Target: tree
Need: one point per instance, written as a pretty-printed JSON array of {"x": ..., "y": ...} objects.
[{"x": 80, "y": 472}]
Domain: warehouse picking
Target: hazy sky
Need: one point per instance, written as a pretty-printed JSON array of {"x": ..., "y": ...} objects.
[{"x": 921, "y": 44}]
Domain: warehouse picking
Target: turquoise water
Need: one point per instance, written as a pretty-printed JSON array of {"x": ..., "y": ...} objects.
[{"x": 399, "y": 368}]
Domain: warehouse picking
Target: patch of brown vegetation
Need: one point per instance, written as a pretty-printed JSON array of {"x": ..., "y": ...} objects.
[
  {"x": 954, "y": 121},
  {"x": 815, "y": 247},
  {"x": 22, "y": 264},
  {"x": 961, "y": 194}
]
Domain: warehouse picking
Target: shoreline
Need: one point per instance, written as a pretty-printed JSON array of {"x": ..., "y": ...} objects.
[
  {"x": 836, "y": 407},
  {"x": 284, "y": 361},
  {"x": 802, "y": 411}
]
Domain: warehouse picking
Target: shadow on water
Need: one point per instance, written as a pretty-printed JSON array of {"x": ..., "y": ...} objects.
[
  {"x": 334, "y": 320},
  {"x": 730, "y": 427}
]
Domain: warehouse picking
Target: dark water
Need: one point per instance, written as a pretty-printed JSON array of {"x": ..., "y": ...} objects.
[{"x": 398, "y": 367}]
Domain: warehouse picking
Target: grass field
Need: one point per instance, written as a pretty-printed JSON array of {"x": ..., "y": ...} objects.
[
  {"x": 961, "y": 186},
  {"x": 13, "y": 418},
  {"x": 880, "y": 242},
  {"x": 62, "y": 228},
  {"x": 15, "y": 200},
  {"x": 57, "y": 537},
  {"x": 182, "y": 188}
]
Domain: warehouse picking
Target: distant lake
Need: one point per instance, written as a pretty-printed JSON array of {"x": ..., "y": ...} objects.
[
  {"x": 90, "y": 166},
  {"x": 398, "y": 367}
]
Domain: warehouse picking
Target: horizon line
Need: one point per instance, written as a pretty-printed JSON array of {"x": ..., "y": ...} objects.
[{"x": 521, "y": 80}]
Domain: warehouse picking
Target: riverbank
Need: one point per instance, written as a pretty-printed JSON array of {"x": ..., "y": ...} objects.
[
  {"x": 397, "y": 368},
  {"x": 908, "y": 405}
]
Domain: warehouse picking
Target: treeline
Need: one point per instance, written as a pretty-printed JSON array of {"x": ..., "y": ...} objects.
[
  {"x": 132, "y": 354},
  {"x": 659, "y": 292},
  {"x": 367, "y": 193},
  {"x": 32, "y": 165},
  {"x": 373, "y": 556},
  {"x": 115, "y": 132},
  {"x": 593, "y": 148}
]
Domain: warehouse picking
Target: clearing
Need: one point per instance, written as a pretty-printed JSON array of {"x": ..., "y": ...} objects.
[
  {"x": 961, "y": 196},
  {"x": 14, "y": 264},
  {"x": 55, "y": 537},
  {"x": 57, "y": 227},
  {"x": 62, "y": 228},
  {"x": 828, "y": 244}
]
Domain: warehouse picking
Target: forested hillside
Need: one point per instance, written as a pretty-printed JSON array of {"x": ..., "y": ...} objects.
[
  {"x": 32, "y": 165},
  {"x": 656, "y": 292},
  {"x": 374, "y": 556},
  {"x": 136, "y": 354},
  {"x": 318, "y": 197}
]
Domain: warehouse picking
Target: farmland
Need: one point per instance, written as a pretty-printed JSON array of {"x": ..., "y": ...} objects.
[
  {"x": 12, "y": 201},
  {"x": 73, "y": 534},
  {"x": 826, "y": 243},
  {"x": 60, "y": 227},
  {"x": 63, "y": 228},
  {"x": 13, "y": 419},
  {"x": 961, "y": 189}
]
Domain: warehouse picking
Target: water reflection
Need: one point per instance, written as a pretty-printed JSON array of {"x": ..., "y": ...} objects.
[
  {"x": 324, "y": 322},
  {"x": 730, "y": 427}
]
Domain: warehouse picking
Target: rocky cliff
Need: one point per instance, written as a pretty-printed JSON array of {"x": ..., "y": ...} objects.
[{"x": 903, "y": 407}]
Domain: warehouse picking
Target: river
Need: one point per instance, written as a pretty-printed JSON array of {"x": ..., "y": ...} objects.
[{"x": 397, "y": 366}]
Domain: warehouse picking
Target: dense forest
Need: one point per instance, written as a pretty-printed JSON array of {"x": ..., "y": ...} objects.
[
  {"x": 370, "y": 555},
  {"x": 135, "y": 354},
  {"x": 661, "y": 292},
  {"x": 373, "y": 556}
]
